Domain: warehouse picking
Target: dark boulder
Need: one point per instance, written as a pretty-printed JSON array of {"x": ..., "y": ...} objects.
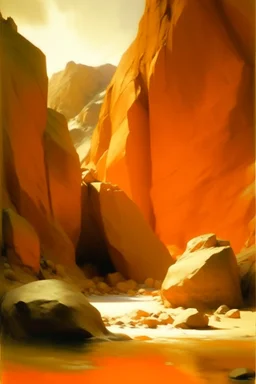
[{"x": 52, "y": 310}]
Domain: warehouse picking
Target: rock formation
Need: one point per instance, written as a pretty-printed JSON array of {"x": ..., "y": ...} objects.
[
  {"x": 175, "y": 131},
  {"x": 204, "y": 277},
  {"x": 73, "y": 88},
  {"x": 41, "y": 171}
]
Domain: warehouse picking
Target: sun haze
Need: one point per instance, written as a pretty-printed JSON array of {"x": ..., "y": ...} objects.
[{"x": 91, "y": 32}]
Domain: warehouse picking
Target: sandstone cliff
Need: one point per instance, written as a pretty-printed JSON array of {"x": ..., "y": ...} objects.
[
  {"x": 176, "y": 128},
  {"x": 74, "y": 87},
  {"x": 41, "y": 193}
]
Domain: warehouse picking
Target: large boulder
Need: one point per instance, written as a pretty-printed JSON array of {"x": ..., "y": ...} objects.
[
  {"x": 134, "y": 249},
  {"x": 52, "y": 310},
  {"x": 177, "y": 124},
  {"x": 204, "y": 279}
]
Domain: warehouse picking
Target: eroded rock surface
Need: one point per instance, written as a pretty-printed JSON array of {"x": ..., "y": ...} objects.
[{"x": 176, "y": 130}]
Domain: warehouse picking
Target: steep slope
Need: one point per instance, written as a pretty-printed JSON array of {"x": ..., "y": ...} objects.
[
  {"x": 176, "y": 128},
  {"x": 74, "y": 87},
  {"x": 39, "y": 160}
]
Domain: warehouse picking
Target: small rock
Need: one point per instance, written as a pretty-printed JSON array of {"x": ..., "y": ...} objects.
[
  {"x": 131, "y": 292},
  {"x": 233, "y": 314},
  {"x": 114, "y": 278},
  {"x": 7, "y": 266},
  {"x": 155, "y": 293},
  {"x": 10, "y": 275},
  {"x": 165, "y": 319},
  {"x": 138, "y": 314},
  {"x": 150, "y": 322},
  {"x": 242, "y": 374},
  {"x": 131, "y": 284},
  {"x": 149, "y": 282},
  {"x": 88, "y": 284},
  {"x": 119, "y": 322},
  {"x": 141, "y": 291},
  {"x": 142, "y": 338},
  {"x": 222, "y": 310},
  {"x": 122, "y": 287},
  {"x": 191, "y": 318},
  {"x": 103, "y": 287}
]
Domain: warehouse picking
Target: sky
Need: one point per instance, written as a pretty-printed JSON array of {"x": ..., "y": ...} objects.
[{"x": 91, "y": 32}]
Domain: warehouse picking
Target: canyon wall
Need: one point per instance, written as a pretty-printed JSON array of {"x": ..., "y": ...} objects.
[
  {"x": 42, "y": 177},
  {"x": 176, "y": 130}
]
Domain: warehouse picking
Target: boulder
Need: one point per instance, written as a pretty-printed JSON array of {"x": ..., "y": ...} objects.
[
  {"x": 52, "y": 310},
  {"x": 20, "y": 240},
  {"x": 191, "y": 318},
  {"x": 135, "y": 250},
  {"x": 204, "y": 279},
  {"x": 177, "y": 125}
]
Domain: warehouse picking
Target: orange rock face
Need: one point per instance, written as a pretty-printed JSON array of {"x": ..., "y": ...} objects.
[
  {"x": 176, "y": 128},
  {"x": 63, "y": 175},
  {"x": 40, "y": 163},
  {"x": 133, "y": 247}
]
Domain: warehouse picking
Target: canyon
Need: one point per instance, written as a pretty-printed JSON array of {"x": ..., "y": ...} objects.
[{"x": 137, "y": 182}]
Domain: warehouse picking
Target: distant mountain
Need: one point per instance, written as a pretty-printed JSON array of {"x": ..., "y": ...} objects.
[{"x": 78, "y": 92}]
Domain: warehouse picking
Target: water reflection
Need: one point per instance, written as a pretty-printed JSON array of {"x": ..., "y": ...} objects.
[{"x": 187, "y": 360}]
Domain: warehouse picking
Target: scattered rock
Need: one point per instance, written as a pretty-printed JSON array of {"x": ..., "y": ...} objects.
[
  {"x": 103, "y": 287},
  {"x": 138, "y": 314},
  {"x": 165, "y": 318},
  {"x": 122, "y": 286},
  {"x": 233, "y": 314},
  {"x": 222, "y": 310},
  {"x": 142, "y": 338},
  {"x": 141, "y": 291},
  {"x": 191, "y": 318},
  {"x": 242, "y": 374},
  {"x": 151, "y": 322},
  {"x": 149, "y": 282},
  {"x": 114, "y": 278},
  {"x": 131, "y": 292}
]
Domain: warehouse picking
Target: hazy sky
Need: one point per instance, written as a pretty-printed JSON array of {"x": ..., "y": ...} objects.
[{"x": 91, "y": 32}]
